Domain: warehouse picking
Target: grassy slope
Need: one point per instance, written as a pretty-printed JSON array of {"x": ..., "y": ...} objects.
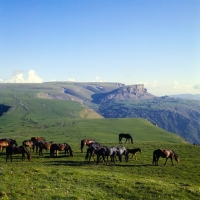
[{"x": 75, "y": 178}]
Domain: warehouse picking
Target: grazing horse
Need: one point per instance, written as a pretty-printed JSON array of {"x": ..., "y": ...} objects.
[
  {"x": 134, "y": 151},
  {"x": 6, "y": 142},
  {"x": 92, "y": 149},
  {"x": 60, "y": 147},
  {"x": 127, "y": 136},
  {"x": 29, "y": 143},
  {"x": 44, "y": 145},
  {"x": 85, "y": 142},
  {"x": 164, "y": 153},
  {"x": 35, "y": 142},
  {"x": 122, "y": 151},
  {"x": 105, "y": 152},
  {"x": 10, "y": 150}
]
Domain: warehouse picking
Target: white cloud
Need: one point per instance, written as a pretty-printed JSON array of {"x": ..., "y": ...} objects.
[
  {"x": 176, "y": 85},
  {"x": 97, "y": 79},
  {"x": 19, "y": 78},
  {"x": 71, "y": 79}
]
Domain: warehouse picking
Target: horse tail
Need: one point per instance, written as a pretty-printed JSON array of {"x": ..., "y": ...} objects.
[
  {"x": 154, "y": 157},
  {"x": 87, "y": 154}
]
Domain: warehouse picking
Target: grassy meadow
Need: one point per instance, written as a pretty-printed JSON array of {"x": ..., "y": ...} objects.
[{"x": 66, "y": 177}]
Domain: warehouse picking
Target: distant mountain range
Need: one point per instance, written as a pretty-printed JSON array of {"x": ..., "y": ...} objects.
[
  {"x": 187, "y": 96},
  {"x": 179, "y": 114}
]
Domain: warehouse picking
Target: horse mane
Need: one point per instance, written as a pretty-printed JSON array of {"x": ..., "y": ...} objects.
[{"x": 175, "y": 155}]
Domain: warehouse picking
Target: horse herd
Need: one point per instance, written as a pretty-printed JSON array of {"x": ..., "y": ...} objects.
[{"x": 103, "y": 153}]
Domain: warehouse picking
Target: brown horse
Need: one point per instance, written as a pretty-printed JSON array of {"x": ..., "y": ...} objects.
[
  {"x": 60, "y": 147},
  {"x": 4, "y": 142},
  {"x": 35, "y": 141},
  {"x": 44, "y": 145},
  {"x": 10, "y": 150},
  {"x": 85, "y": 142},
  {"x": 29, "y": 143},
  {"x": 134, "y": 151},
  {"x": 164, "y": 153}
]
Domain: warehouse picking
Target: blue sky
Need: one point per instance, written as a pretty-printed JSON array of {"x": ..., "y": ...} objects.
[{"x": 156, "y": 43}]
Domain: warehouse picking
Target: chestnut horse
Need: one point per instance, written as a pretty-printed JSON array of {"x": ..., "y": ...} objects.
[
  {"x": 10, "y": 150},
  {"x": 85, "y": 142},
  {"x": 6, "y": 142},
  {"x": 29, "y": 143},
  {"x": 44, "y": 145},
  {"x": 164, "y": 153},
  {"x": 60, "y": 147},
  {"x": 134, "y": 151}
]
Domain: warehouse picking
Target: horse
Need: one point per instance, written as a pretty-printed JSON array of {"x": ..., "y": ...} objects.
[
  {"x": 29, "y": 143},
  {"x": 127, "y": 136},
  {"x": 134, "y": 151},
  {"x": 37, "y": 139},
  {"x": 122, "y": 151},
  {"x": 4, "y": 142},
  {"x": 35, "y": 142},
  {"x": 85, "y": 142},
  {"x": 105, "y": 152},
  {"x": 92, "y": 149},
  {"x": 60, "y": 147},
  {"x": 164, "y": 153},
  {"x": 44, "y": 145},
  {"x": 10, "y": 150}
]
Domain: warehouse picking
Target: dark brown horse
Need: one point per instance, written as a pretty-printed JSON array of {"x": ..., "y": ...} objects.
[
  {"x": 10, "y": 150},
  {"x": 60, "y": 147},
  {"x": 85, "y": 142},
  {"x": 4, "y": 142},
  {"x": 36, "y": 140},
  {"x": 29, "y": 143},
  {"x": 44, "y": 145},
  {"x": 164, "y": 153},
  {"x": 134, "y": 151},
  {"x": 127, "y": 136}
]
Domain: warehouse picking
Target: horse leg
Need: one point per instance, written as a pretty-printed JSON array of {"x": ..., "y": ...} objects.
[
  {"x": 156, "y": 160},
  {"x": 166, "y": 161},
  {"x": 172, "y": 161},
  {"x": 23, "y": 156},
  {"x": 7, "y": 157}
]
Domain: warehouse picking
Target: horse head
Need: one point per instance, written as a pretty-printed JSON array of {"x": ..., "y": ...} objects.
[{"x": 176, "y": 158}]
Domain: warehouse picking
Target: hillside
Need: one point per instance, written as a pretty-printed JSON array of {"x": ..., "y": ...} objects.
[{"x": 48, "y": 104}]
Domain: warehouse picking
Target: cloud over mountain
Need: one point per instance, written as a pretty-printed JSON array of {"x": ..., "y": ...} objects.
[{"x": 19, "y": 78}]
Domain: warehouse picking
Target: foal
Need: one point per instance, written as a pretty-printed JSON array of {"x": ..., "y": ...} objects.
[{"x": 134, "y": 151}]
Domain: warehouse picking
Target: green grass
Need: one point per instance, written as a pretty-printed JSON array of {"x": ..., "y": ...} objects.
[{"x": 74, "y": 178}]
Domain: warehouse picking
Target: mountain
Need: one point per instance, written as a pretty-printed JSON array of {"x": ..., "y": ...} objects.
[
  {"x": 55, "y": 100},
  {"x": 172, "y": 114},
  {"x": 181, "y": 116}
]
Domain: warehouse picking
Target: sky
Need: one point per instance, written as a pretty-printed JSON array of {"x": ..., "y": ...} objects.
[{"x": 155, "y": 43}]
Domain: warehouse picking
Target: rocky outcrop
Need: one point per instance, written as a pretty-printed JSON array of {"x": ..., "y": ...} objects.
[{"x": 130, "y": 92}]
